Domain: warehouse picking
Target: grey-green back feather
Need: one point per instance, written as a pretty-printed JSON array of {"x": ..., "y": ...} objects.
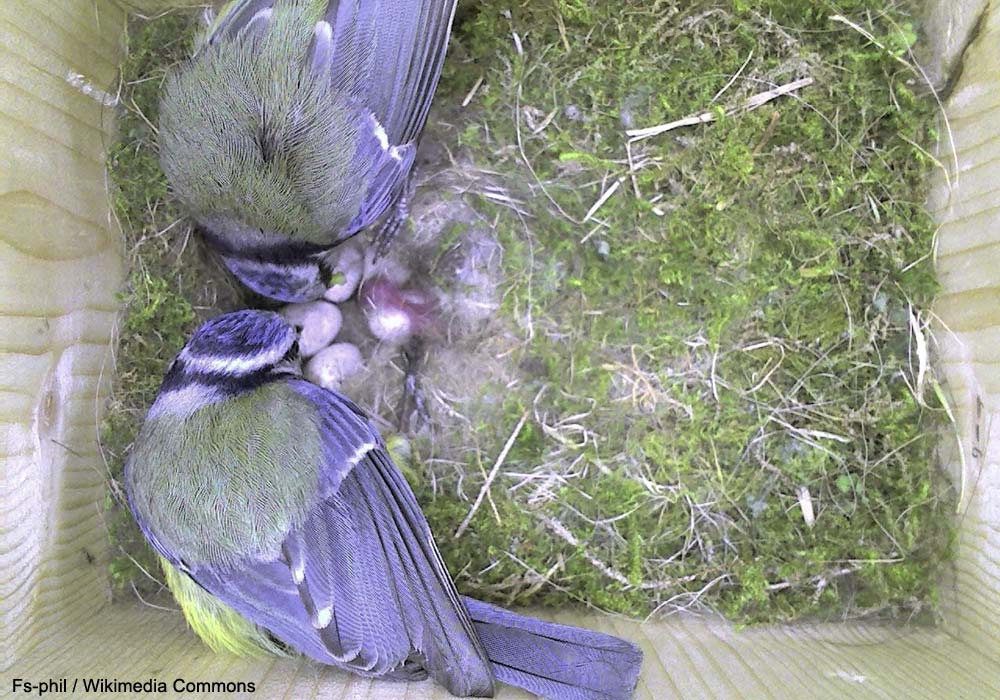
[
  {"x": 248, "y": 134},
  {"x": 231, "y": 480}
]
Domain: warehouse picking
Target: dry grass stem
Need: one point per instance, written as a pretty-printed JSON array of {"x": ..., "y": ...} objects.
[
  {"x": 751, "y": 103},
  {"x": 494, "y": 470}
]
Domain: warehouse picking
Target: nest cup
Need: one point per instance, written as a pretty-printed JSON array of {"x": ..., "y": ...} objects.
[{"x": 60, "y": 273}]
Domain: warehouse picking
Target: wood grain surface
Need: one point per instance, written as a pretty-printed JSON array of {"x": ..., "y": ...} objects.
[{"x": 59, "y": 271}]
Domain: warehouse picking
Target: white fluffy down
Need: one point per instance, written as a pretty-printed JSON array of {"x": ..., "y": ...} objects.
[
  {"x": 320, "y": 323},
  {"x": 332, "y": 365},
  {"x": 350, "y": 264},
  {"x": 390, "y": 324}
]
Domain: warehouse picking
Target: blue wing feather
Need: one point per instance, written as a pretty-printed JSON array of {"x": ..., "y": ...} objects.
[
  {"x": 388, "y": 179},
  {"x": 400, "y": 558},
  {"x": 389, "y": 53},
  {"x": 360, "y": 583},
  {"x": 386, "y": 54}
]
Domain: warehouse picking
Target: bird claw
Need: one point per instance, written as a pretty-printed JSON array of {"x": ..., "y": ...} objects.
[
  {"x": 414, "y": 416},
  {"x": 396, "y": 219},
  {"x": 410, "y": 670},
  {"x": 387, "y": 234}
]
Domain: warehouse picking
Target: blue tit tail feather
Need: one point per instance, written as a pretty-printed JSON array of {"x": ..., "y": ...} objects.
[{"x": 555, "y": 661}]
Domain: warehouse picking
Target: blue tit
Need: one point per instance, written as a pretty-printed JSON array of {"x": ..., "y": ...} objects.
[
  {"x": 283, "y": 526},
  {"x": 294, "y": 127}
]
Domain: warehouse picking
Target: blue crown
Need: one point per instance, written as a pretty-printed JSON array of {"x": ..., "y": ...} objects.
[{"x": 238, "y": 344}]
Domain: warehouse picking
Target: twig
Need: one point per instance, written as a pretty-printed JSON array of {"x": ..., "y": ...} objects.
[
  {"x": 768, "y": 132},
  {"x": 563, "y": 532},
  {"x": 603, "y": 198},
  {"x": 823, "y": 578},
  {"x": 733, "y": 79},
  {"x": 631, "y": 170},
  {"x": 763, "y": 98},
  {"x": 917, "y": 326},
  {"x": 472, "y": 92},
  {"x": 752, "y": 102},
  {"x": 806, "y": 505},
  {"x": 640, "y": 134},
  {"x": 693, "y": 595},
  {"x": 148, "y": 604},
  {"x": 492, "y": 475}
]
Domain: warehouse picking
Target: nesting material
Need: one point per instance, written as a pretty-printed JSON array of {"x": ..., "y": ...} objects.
[
  {"x": 719, "y": 414},
  {"x": 472, "y": 267},
  {"x": 388, "y": 267},
  {"x": 332, "y": 365},
  {"x": 806, "y": 504},
  {"x": 319, "y": 321},
  {"x": 348, "y": 268}
]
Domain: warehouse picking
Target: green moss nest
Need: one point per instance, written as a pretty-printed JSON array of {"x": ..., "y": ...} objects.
[{"x": 710, "y": 343}]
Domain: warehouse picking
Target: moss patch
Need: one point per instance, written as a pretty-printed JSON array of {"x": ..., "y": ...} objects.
[
  {"x": 721, "y": 347},
  {"x": 725, "y": 344}
]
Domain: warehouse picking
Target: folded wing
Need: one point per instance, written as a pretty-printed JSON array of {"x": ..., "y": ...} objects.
[
  {"x": 360, "y": 583},
  {"x": 389, "y": 53}
]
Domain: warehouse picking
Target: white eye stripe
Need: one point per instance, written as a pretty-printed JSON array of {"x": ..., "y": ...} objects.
[{"x": 231, "y": 365}]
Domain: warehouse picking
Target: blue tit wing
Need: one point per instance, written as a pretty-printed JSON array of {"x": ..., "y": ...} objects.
[
  {"x": 385, "y": 54},
  {"x": 360, "y": 583},
  {"x": 383, "y": 58},
  {"x": 391, "y": 167},
  {"x": 388, "y": 54}
]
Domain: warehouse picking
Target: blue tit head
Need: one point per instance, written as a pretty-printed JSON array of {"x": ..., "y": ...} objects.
[{"x": 233, "y": 353}]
